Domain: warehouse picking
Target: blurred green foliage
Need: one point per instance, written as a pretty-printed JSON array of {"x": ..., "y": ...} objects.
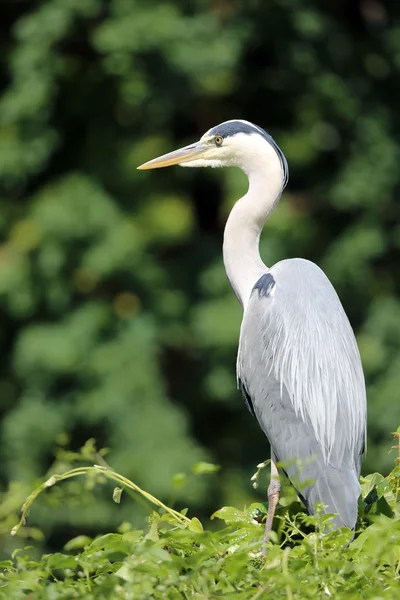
[{"x": 116, "y": 320}]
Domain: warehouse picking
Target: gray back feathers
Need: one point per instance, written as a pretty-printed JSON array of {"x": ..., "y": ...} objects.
[{"x": 299, "y": 362}]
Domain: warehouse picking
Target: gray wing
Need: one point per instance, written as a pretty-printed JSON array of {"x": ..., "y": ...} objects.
[{"x": 300, "y": 366}]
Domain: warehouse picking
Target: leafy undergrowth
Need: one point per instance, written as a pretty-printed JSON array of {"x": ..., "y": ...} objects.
[{"x": 174, "y": 558}]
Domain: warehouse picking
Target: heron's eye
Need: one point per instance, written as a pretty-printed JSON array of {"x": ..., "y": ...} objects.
[{"x": 218, "y": 140}]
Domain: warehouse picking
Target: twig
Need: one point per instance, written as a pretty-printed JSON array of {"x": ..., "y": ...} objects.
[{"x": 107, "y": 472}]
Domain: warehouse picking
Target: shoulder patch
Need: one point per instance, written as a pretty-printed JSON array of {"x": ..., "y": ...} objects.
[
  {"x": 264, "y": 285},
  {"x": 246, "y": 398}
]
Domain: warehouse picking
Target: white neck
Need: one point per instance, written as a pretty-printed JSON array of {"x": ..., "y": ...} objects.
[{"x": 242, "y": 259}]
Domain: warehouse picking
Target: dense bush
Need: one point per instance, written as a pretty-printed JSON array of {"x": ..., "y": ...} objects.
[{"x": 174, "y": 557}]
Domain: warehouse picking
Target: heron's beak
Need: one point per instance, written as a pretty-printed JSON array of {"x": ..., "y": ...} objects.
[{"x": 186, "y": 154}]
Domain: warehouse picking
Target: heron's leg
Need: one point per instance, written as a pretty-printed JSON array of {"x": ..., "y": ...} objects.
[{"x": 273, "y": 497}]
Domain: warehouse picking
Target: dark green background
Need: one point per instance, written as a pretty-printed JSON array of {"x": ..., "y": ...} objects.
[{"x": 116, "y": 318}]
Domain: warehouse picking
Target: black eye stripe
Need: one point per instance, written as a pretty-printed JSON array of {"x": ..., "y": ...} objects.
[{"x": 231, "y": 128}]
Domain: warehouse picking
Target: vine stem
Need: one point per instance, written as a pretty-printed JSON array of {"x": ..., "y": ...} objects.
[
  {"x": 107, "y": 472},
  {"x": 396, "y": 435}
]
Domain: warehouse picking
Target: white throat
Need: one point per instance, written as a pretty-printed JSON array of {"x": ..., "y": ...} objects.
[{"x": 242, "y": 259}]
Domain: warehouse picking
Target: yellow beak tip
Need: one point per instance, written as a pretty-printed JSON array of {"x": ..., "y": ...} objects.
[{"x": 150, "y": 165}]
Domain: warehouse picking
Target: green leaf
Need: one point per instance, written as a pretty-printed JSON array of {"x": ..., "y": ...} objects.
[
  {"x": 80, "y": 541},
  {"x": 195, "y": 525},
  {"x": 132, "y": 536},
  {"x": 152, "y": 534},
  {"x": 104, "y": 540},
  {"x": 179, "y": 480},
  {"x": 117, "y": 493},
  {"x": 229, "y": 514},
  {"x": 370, "y": 482},
  {"x": 125, "y": 573},
  {"x": 384, "y": 508},
  {"x": 61, "y": 561},
  {"x": 204, "y": 468}
]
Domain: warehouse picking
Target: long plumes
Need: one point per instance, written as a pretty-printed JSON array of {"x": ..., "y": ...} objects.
[
  {"x": 315, "y": 356},
  {"x": 300, "y": 363}
]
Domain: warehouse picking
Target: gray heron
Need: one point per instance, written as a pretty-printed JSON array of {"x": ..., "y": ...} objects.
[{"x": 298, "y": 363}]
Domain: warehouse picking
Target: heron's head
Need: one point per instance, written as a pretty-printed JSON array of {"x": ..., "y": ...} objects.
[{"x": 234, "y": 143}]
